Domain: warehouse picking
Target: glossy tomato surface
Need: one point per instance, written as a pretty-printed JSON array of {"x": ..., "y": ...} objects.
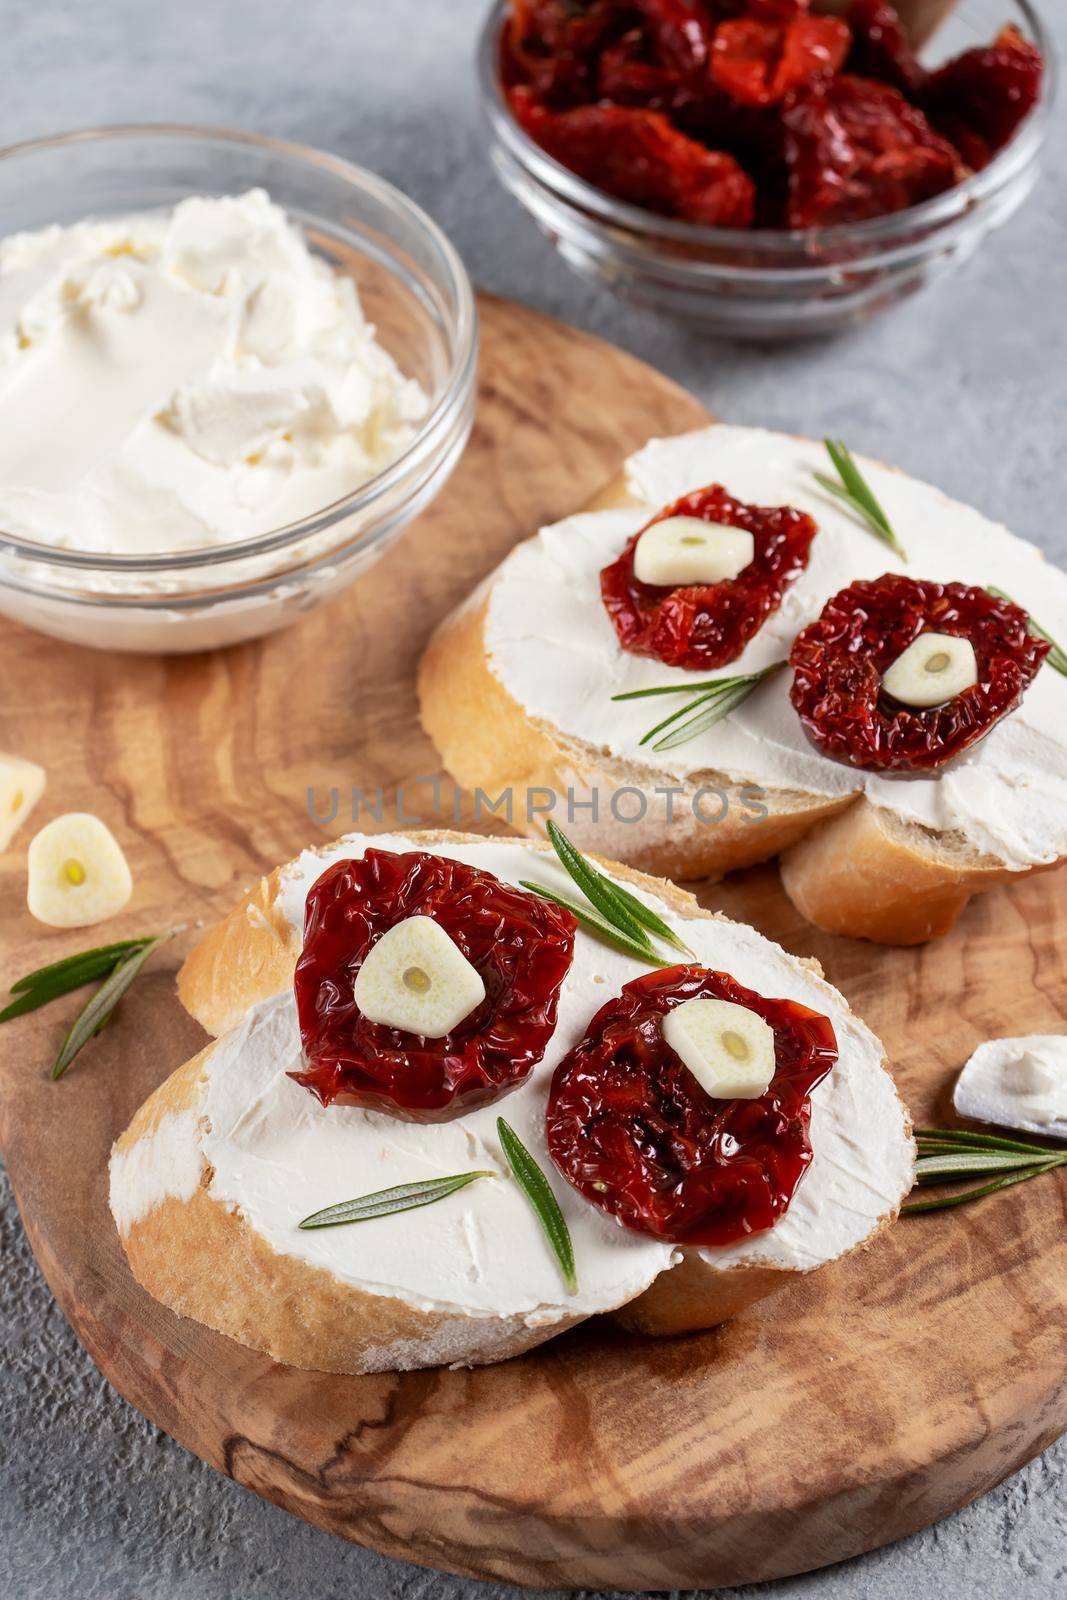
[
  {"x": 634, "y": 1132},
  {"x": 839, "y": 660},
  {"x": 521, "y": 946}
]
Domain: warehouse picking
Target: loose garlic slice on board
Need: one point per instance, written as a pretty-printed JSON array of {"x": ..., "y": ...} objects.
[
  {"x": 417, "y": 978},
  {"x": 21, "y": 786},
  {"x": 933, "y": 669},
  {"x": 77, "y": 872},
  {"x": 682, "y": 550},
  {"x": 728, "y": 1049}
]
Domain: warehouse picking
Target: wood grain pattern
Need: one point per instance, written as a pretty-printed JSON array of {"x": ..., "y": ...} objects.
[{"x": 846, "y": 1412}]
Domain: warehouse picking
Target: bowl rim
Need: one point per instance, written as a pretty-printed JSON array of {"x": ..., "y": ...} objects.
[
  {"x": 650, "y": 227},
  {"x": 438, "y": 420}
]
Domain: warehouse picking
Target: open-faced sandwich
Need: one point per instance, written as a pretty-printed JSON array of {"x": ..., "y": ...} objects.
[
  {"x": 446, "y": 1116},
  {"x": 752, "y": 645}
]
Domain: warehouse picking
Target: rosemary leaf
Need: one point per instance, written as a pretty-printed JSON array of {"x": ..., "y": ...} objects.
[
  {"x": 98, "y": 1009},
  {"x": 386, "y": 1202},
  {"x": 718, "y": 695},
  {"x": 856, "y": 491},
  {"x": 710, "y": 710},
  {"x": 103, "y": 958},
  {"x": 943, "y": 1202},
  {"x": 978, "y": 1141},
  {"x": 648, "y": 919},
  {"x": 538, "y": 1191},
  {"x": 710, "y": 697},
  {"x": 598, "y": 890},
  {"x": 38, "y": 988},
  {"x": 673, "y": 688},
  {"x": 596, "y": 924},
  {"x": 1057, "y": 656},
  {"x": 948, "y": 1168}
]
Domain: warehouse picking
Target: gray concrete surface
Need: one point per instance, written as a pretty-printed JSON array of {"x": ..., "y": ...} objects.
[{"x": 965, "y": 386}]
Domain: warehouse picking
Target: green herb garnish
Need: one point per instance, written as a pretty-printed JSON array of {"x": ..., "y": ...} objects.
[
  {"x": 535, "y": 1186},
  {"x": 625, "y": 910},
  {"x": 595, "y": 923},
  {"x": 948, "y": 1155},
  {"x": 851, "y": 486},
  {"x": 97, "y": 1012},
  {"x": 386, "y": 1202},
  {"x": 1057, "y": 656},
  {"x": 712, "y": 701},
  {"x": 613, "y": 912},
  {"x": 73, "y": 972}
]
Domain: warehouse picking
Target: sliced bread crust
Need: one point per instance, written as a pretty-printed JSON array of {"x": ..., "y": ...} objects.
[
  {"x": 207, "y": 1261},
  {"x": 848, "y": 866}
]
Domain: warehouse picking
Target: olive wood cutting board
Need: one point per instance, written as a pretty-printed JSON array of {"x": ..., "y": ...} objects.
[{"x": 852, "y": 1409}]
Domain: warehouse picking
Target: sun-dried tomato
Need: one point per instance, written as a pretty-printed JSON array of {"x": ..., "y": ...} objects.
[
  {"x": 839, "y": 660},
  {"x": 758, "y": 62},
  {"x": 708, "y": 625},
  {"x": 793, "y": 113},
  {"x": 640, "y": 158},
  {"x": 880, "y": 47},
  {"x": 520, "y": 945},
  {"x": 679, "y": 34},
  {"x": 857, "y": 149},
  {"x": 635, "y": 1133},
  {"x": 979, "y": 100}
]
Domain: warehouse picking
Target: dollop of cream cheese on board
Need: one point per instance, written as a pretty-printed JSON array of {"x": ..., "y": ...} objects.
[
  {"x": 552, "y": 646},
  {"x": 183, "y": 379},
  {"x": 277, "y": 1155},
  {"x": 1017, "y": 1083}
]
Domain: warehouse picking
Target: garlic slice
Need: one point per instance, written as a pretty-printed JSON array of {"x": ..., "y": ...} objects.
[
  {"x": 417, "y": 978},
  {"x": 21, "y": 786},
  {"x": 78, "y": 874},
  {"x": 933, "y": 669},
  {"x": 684, "y": 550},
  {"x": 728, "y": 1048}
]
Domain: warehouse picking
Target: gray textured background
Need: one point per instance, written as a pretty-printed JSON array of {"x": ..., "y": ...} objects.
[{"x": 964, "y": 386}]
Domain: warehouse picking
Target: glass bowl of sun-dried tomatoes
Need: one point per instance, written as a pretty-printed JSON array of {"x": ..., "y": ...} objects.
[{"x": 766, "y": 167}]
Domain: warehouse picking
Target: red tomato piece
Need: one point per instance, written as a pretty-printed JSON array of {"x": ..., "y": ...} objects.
[
  {"x": 633, "y": 1131},
  {"x": 640, "y": 158},
  {"x": 880, "y": 47},
  {"x": 979, "y": 100},
  {"x": 520, "y": 945},
  {"x": 709, "y": 625},
  {"x": 857, "y": 149},
  {"x": 839, "y": 660},
  {"x": 758, "y": 62}
]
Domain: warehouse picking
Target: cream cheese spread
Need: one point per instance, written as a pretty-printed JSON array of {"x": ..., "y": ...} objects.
[
  {"x": 277, "y": 1155},
  {"x": 183, "y": 379},
  {"x": 552, "y": 646},
  {"x": 1017, "y": 1083}
]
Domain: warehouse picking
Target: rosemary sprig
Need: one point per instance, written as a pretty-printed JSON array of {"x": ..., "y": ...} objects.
[
  {"x": 714, "y": 699},
  {"x": 535, "y": 1186},
  {"x": 648, "y": 919},
  {"x": 614, "y": 902},
  {"x": 96, "y": 1013},
  {"x": 386, "y": 1202},
  {"x": 947, "y": 1155},
  {"x": 595, "y": 923},
  {"x": 60, "y": 977},
  {"x": 856, "y": 492},
  {"x": 1057, "y": 656},
  {"x": 613, "y": 913}
]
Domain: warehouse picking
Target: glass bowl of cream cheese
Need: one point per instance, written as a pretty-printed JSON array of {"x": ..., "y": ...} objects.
[{"x": 231, "y": 371}]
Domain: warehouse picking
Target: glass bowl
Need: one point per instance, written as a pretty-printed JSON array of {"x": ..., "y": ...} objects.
[
  {"x": 769, "y": 283},
  {"x": 414, "y": 290}
]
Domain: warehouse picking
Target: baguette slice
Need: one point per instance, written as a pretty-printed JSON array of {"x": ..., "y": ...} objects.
[
  {"x": 849, "y": 864},
  {"x": 221, "y": 1163}
]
